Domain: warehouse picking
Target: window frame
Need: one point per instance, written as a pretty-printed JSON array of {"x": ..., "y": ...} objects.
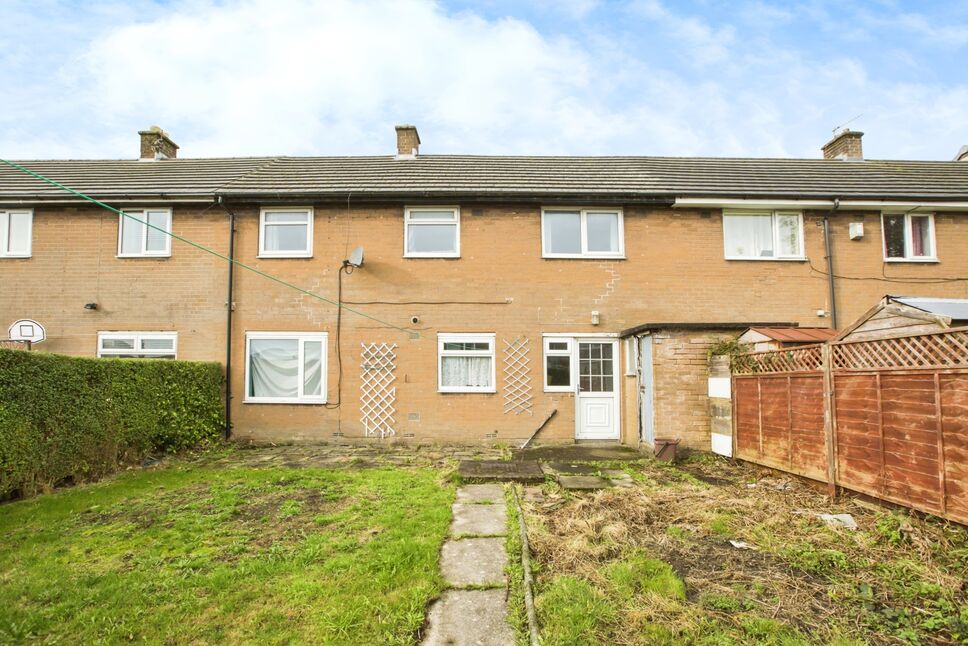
[
  {"x": 5, "y": 235},
  {"x": 408, "y": 222},
  {"x": 631, "y": 348},
  {"x": 548, "y": 352},
  {"x": 142, "y": 215},
  {"x": 301, "y": 338},
  {"x": 310, "y": 218},
  {"x": 584, "y": 211},
  {"x": 138, "y": 338},
  {"x": 801, "y": 257},
  {"x": 908, "y": 238},
  {"x": 468, "y": 337}
]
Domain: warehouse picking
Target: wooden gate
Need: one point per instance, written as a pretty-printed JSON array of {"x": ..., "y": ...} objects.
[{"x": 884, "y": 417}]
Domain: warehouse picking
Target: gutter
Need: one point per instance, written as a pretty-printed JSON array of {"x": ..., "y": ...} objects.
[{"x": 830, "y": 264}]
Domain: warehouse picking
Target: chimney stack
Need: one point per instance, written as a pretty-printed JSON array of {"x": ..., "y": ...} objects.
[
  {"x": 845, "y": 145},
  {"x": 962, "y": 154},
  {"x": 155, "y": 145},
  {"x": 408, "y": 142}
]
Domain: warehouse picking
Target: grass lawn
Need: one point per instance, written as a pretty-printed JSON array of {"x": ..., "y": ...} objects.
[
  {"x": 196, "y": 554},
  {"x": 653, "y": 564}
]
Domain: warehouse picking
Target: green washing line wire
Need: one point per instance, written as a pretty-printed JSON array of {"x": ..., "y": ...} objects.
[{"x": 413, "y": 334}]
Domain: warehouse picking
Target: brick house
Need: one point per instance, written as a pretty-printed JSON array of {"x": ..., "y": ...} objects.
[{"x": 589, "y": 286}]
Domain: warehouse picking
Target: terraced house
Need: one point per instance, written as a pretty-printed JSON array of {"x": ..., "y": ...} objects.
[{"x": 492, "y": 292}]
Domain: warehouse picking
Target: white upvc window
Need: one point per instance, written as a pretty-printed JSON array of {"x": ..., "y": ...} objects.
[
  {"x": 15, "y": 233},
  {"x": 582, "y": 233},
  {"x": 136, "y": 240},
  {"x": 285, "y": 367},
  {"x": 631, "y": 357},
  {"x": 908, "y": 237},
  {"x": 558, "y": 365},
  {"x": 286, "y": 232},
  {"x": 465, "y": 363},
  {"x": 137, "y": 345},
  {"x": 763, "y": 235},
  {"x": 431, "y": 232}
]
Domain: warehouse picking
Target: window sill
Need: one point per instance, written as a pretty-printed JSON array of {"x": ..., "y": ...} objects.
[
  {"x": 287, "y": 255},
  {"x": 289, "y": 401},
  {"x": 450, "y": 256},
  {"x": 582, "y": 257},
  {"x": 126, "y": 256},
  {"x": 489, "y": 391},
  {"x": 560, "y": 391},
  {"x": 913, "y": 260},
  {"x": 797, "y": 259},
  {"x": 14, "y": 256}
]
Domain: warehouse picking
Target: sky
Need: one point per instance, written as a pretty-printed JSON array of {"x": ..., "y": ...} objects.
[{"x": 547, "y": 77}]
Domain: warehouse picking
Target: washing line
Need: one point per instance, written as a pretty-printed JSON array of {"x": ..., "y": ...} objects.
[{"x": 412, "y": 333}]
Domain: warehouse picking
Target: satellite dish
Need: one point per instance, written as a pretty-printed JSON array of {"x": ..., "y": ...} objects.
[
  {"x": 26, "y": 330},
  {"x": 356, "y": 258}
]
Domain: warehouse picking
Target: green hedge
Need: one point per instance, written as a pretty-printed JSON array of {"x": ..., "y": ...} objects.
[{"x": 74, "y": 419}]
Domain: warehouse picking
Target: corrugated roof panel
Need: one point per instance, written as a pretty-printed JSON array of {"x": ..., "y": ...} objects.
[
  {"x": 797, "y": 334},
  {"x": 954, "y": 308}
]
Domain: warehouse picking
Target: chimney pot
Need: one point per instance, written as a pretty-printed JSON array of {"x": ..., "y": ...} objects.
[
  {"x": 962, "y": 154},
  {"x": 408, "y": 142},
  {"x": 845, "y": 145},
  {"x": 155, "y": 145}
]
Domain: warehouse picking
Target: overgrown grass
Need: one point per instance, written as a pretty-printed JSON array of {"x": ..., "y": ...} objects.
[
  {"x": 654, "y": 564},
  {"x": 203, "y": 555}
]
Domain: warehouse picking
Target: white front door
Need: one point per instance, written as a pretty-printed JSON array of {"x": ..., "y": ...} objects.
[{"x": 597, "y": 398}]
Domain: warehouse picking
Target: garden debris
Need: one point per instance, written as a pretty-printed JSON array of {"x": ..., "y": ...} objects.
[
  {"x": 839, "y": 520},
  {"x": 743, "y": 545}
]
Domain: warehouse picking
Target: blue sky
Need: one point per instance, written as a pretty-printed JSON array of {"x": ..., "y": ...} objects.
[{"x": 635, "y": 77}]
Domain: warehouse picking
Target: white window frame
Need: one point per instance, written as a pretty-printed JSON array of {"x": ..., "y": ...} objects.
[
  {"x": 138, "y": 338},
  {"x": 631, "y": 357},
  {"x": 801, "y": 255},
  {"x": 5, "y": 234},
  {"x": 142, "y": 215},
  {"x": 304, "y": 253},
  {"x": 584, "y": 211},
  {"x": 477, "y": 337},
  {"x": 908, "y": 238},
  {"x": 548, "y": 352},
  {"x": 408, "y": 222},
  {"x": 302, "y": 338}
]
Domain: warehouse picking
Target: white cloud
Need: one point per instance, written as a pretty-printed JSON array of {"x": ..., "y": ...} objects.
[{"x": 302, "y": 77}]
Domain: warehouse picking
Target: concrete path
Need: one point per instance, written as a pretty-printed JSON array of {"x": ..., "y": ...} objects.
[{"x": 473, "y": 612}]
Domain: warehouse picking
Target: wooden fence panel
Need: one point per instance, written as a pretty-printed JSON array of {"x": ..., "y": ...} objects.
[{"x": 900, "y": 411}]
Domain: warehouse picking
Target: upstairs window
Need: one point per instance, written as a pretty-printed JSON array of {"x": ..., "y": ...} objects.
[
  {"x": 908, "y": 236},
  {"x": 135, "y": 240},
  {"x": 137, "y": 345},
  {"x": 286, "y": 233},
  {"x": 431, "y": 232},
  {"x": 465, "y": 363},
  {"x": 776, "y": 235},
  {"x": 582, "y": 233},
  {"x": 15, "y": 233}
]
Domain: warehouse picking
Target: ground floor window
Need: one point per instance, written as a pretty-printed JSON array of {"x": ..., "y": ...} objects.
[
  {"x": 557, "y": 363},
  {"x": 465, "y": 363},
  {"x": 285, "y": 367},
  {"x": 137, "y": 345}
]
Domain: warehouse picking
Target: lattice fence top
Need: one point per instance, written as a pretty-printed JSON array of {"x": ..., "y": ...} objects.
[
  {"x": 806, "y": 358},
  {"x": 943, "y": 349},
  {"x": 518, "y": 390}
]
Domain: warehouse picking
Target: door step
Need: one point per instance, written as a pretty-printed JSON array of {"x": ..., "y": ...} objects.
[{"x": 501, "y": 471}]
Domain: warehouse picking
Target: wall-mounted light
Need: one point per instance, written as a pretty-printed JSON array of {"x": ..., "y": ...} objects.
[
  {"x": 90, "y": 306},
  {"x": 596, "y": 319}
]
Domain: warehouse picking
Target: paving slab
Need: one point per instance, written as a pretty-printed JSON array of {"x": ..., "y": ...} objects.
[
  {"x": 481, "y": 494},
  {"x": 584, "y": 452},
  {"x": 579, "y": 483},
  {"x": 482, "y": 520},
  {"x": 469, "y": 618},
  {"x": 474, "y": 561},
  {"x": 571, "y": 469},
  {"x": 501, "y": 470}
]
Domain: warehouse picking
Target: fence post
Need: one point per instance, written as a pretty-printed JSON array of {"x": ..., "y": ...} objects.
[{"x": 829, "y": 419}]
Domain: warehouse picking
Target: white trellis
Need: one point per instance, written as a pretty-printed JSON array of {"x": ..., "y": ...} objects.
[
  {"x": 377, "y": 392},
  {"x": 517, "y": 378}
]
